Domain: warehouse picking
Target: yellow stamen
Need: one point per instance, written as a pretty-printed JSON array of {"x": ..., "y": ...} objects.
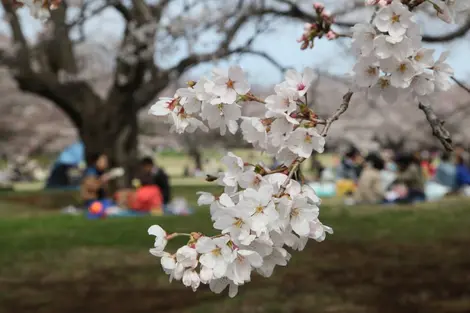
[
  {"x": 238, "y": 223},
  {"x": 372, "y": 70},
  {"x": 402, "y": 68},
  {"x": 308, "y": 138},
  {"x": 395, "y": 18}
]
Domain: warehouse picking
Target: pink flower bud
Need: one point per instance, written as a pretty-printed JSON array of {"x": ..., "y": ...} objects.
[
  {"x": 331, "y": 35},
  {"x": 325, "y": 15},
  {"x": 308, "y": 26},
  {"x": 318, "y": 6}
]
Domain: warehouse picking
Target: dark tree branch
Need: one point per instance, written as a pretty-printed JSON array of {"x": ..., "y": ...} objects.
[
  {"x": 460, "y": 84},
  {"x": 121, "y": 8},
  {"x": 437, "y": 126},
  {"x": 48, "y": 87},
  {"x": 23, "y": 52},
  {"x": 343, "y": 107},
  {"x": 59, "y": 49},
  {"x": 458, "y": 33}
]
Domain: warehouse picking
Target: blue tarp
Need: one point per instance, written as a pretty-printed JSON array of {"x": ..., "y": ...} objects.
[
  {"x": 72, "y": 155},
  {"x": 69, "y": 158}
]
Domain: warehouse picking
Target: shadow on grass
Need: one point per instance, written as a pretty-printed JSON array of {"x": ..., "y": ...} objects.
[{"x": 328, "y": 277}]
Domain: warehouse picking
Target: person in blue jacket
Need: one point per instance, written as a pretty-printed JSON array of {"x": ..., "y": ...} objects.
[
  {"x": 94, "y": 181},
  {"x": 463, "y": 173}
]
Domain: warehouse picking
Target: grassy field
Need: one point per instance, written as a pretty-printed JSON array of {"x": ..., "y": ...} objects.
[{"x": 409, "y": 259}]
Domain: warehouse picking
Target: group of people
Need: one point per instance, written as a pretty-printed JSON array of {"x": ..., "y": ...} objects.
[
  {"x": 403, "y": 177},
  {"x": 151, "y": 185}
]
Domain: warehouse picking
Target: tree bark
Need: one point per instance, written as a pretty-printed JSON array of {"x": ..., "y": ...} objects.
[
  {"x": 115, "y": 134},
  {"x": 195, "y": 153}
]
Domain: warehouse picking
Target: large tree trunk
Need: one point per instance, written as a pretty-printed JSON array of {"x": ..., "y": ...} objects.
[
  {"x": 115, "y": 134},
  {"x": 195, "y": 153}
]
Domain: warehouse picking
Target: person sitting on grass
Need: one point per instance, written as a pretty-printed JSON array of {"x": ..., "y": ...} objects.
[
  {"x": 94, "y": 181},
  {"x": 147, "y": 197},
  {"x": 462, "y": 175},
  {"x": 370, "y": 189},
  {"x": 160, "y": 178},
  {"x": 410, "y": 177},
  {"x": 446, "y": 172}
]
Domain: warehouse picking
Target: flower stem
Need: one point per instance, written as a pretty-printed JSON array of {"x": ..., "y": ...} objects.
[{"x": 174, "y": 235}]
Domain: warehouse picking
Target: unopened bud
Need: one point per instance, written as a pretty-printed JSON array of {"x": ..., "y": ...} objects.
[
  {"x": 304, "y": 45},
  {"x": 325, "y": 15},
  {"x": 318, "y": 7},
  {"x": 331, "y": 35}
]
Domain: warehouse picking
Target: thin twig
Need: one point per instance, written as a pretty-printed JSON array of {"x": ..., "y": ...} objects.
[
  {"x": 319, "y": 121},
  {"x": 252, "y": 97},
  {"x": 461, "y": 85},
  {"x": 343, "y": 107},
  {"x": 437, "y": 126},
  {"x": 293, "y": 169}
]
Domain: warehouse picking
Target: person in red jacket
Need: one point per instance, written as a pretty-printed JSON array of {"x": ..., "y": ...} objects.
[{"x": 148, "y": 196}]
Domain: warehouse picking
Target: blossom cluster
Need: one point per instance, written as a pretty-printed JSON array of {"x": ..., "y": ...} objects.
[
  {"x": 320, "y": 27},
  {"x": 262, "y": 212},
  {"x": 286, "y": 132},
  {"x": 259, "y": 215},
  {"x": 391, "y": 60}
]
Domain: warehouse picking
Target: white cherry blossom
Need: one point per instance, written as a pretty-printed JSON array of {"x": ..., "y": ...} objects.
[
  {"x": 423, "y": 59},
  {"x": 442, "y": 72},
  {"x": 363, "y": 39},
  {"x": 394, "y": 19},
  {"x": 383, "y": 88},
  {"x": 300, "y": 82},
  {"x": 367, "y": 71},
  {"x": 215, "y": 254},
  {"x": 254, "y": 131},
  {"x": 401, "y": 71},
  {"x": 423, "y": 84},
  {"x": 302, "y": 213},
  {"x": 397, "y": 47},
  {"x": 160, "y": 237},
  {"x": 237, "y": 224},
  {"x": 229, "y": 83},
  {"x": 239, "y": 271},
  {"x": 222, "y": 116},
  {"x": 284, "y": 100},
  {"x": 303, "y": 141}
]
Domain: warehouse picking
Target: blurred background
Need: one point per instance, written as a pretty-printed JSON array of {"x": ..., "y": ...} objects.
[{"x": 75, "y": 93}]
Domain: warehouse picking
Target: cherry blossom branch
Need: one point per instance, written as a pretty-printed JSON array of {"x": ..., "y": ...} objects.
[
  {"x": 460, "y": 84},
  {"x": 437, "y": 126},
  {"x": 293, "y": 169},
  {"x": 343, "y": 107}
]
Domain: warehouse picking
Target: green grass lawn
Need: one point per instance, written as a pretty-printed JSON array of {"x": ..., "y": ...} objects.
[{"x": 407, "y": 259}]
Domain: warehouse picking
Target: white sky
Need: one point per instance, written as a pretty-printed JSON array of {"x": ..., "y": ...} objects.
[{"x": 281, "y": 45}]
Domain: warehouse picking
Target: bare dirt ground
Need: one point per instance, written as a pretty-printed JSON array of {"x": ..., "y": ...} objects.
[{"x": 334, "y": 276}]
